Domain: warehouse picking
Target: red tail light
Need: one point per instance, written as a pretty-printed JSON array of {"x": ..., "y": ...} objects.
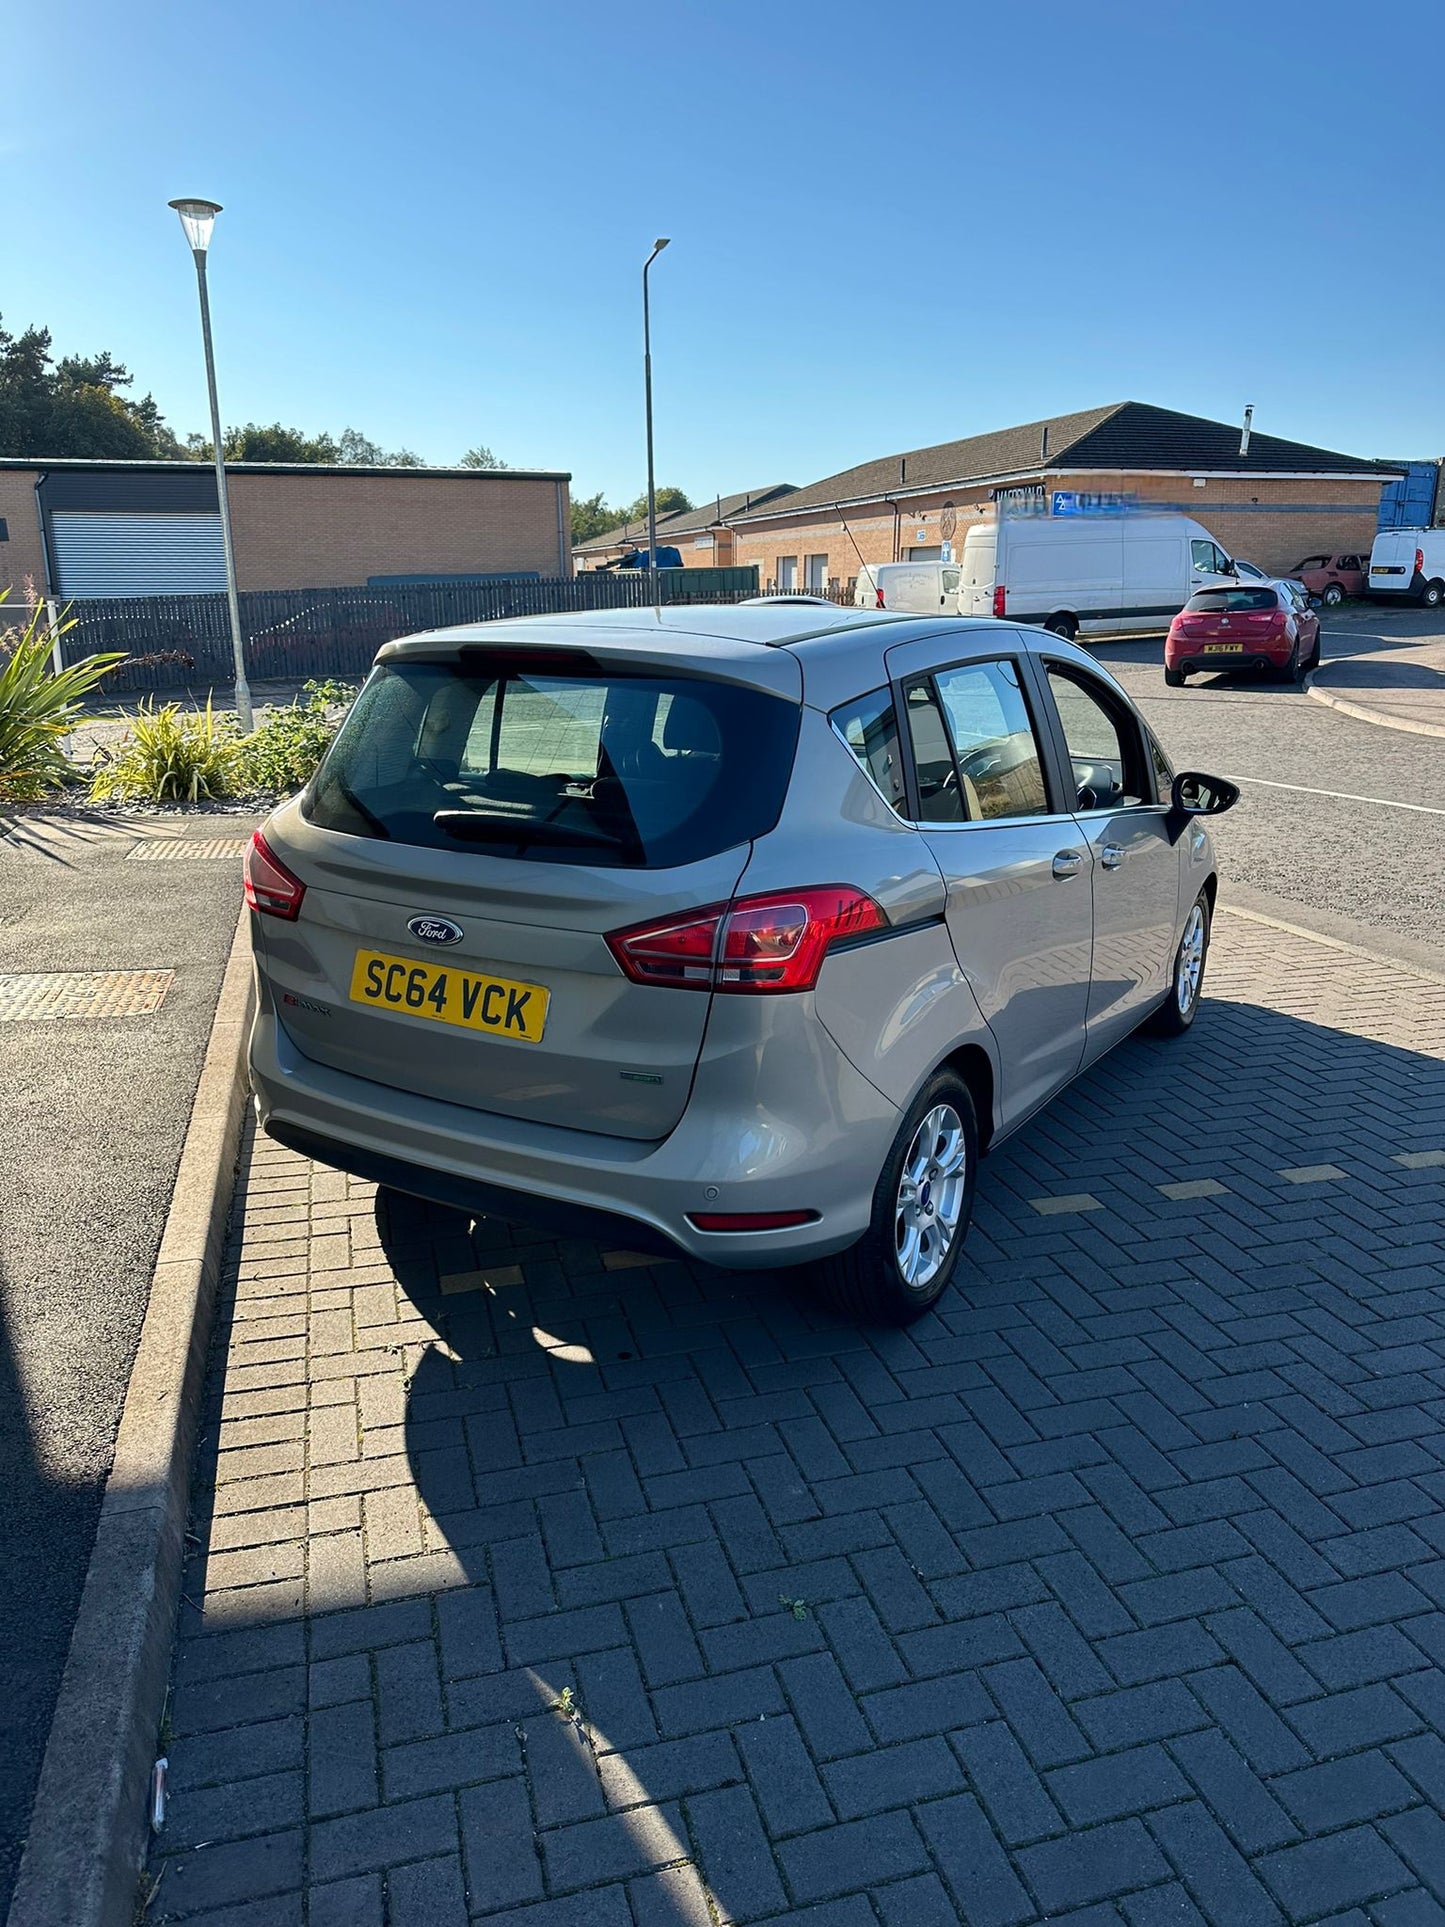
[
  {"x": 1000, "y": 597},
  {"x": 762, "y": 943},
  {"x": 878, "y": 595},
  {"x": 1419, "y": 562},
  {"x": 270, "y": 886}
]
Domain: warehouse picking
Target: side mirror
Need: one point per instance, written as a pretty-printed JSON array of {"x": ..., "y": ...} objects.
[{"x": 1195, "y": 794}]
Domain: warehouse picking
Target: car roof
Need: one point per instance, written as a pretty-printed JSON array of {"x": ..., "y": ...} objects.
[
  {"x": 838, "y": 650},
  {"x": 765, "y": 622}
]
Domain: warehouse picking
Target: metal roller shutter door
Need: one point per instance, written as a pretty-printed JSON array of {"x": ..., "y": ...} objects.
[{"x": 117, "y": 554}]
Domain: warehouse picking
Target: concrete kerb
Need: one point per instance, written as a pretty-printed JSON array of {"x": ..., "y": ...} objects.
[
  {"x": 88, "y": 1829},
  {"x": 1363, "y": 714}
]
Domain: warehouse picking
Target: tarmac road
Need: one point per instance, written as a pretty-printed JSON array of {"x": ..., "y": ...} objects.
[
  {"x": 1301, "y": 842},
  {"x": 93, "y": 1115}
]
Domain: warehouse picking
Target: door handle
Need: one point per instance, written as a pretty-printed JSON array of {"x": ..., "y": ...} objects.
[
  {"x": 1112, "y": 856},
  {"x": 1066, "y": 863}
]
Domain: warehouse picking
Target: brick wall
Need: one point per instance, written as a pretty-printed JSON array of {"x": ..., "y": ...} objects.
[
  {"x": 1311, "y": 516},
  {"x": 871, "y": 534},
  {"x": 21, "y": 555},
  {"x": 333, "y": 531}
]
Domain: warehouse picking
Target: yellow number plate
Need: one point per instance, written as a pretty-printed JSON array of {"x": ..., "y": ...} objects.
[
  {"x": 1223, "y": 649},
  {"x": 444, "y": 995}
]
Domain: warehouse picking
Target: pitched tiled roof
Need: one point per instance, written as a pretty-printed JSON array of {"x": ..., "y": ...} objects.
[
  {"x": 1007, "y": 451},
  {"x": 1138, "y": 435},
  {"x": 689, "y": 521},
  {"x": 1129, "y": 435}
]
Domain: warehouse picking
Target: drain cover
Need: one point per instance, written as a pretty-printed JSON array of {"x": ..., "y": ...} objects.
[
  {"x": 82, "y": 993},
  {"x": 178, "y": 849}
]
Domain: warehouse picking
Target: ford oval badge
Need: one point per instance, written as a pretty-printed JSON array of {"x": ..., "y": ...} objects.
[{"x": 436, "y": 929}]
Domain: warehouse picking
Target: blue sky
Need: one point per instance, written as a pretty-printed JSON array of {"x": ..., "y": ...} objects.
[{"x": 890, "y": 225}]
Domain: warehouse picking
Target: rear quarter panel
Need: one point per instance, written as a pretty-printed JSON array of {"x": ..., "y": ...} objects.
[{"x": 896, "y": 1006}]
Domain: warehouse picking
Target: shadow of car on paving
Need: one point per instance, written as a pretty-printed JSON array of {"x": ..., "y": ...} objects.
[
  {"x": 676, "y": 1586},
  {"x": 38, "y": 1597}
]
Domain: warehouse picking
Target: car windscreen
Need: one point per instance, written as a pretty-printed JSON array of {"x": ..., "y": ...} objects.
[
  {"x": 594, "y": 766},
  {"x": 1213, "y": 602}
]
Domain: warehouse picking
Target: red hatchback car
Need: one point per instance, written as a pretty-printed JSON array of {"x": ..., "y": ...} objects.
[{"x": 1270, "y": 628}]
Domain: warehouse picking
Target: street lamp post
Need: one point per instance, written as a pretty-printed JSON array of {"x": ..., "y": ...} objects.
[
  {"x": 198, "y": 218},
  {"x": 657, "y": 248}
]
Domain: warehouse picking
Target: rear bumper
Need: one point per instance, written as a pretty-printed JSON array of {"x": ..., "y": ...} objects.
[
  {"x": 744, "y": 1144},
  {"x": 1194, "y": 665}
]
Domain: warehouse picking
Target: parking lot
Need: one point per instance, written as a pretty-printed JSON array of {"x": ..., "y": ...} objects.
[{"x": 563, "y": 1586}]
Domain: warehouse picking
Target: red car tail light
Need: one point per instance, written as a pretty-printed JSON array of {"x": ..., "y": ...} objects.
[
  {"x": 774, "y": 942},
  {"x": 1419, "y": 562},
  {"x": 878, "y": 595},
  {"x": 269, "y": 885},
  {"x": 1000, "y": 598}
]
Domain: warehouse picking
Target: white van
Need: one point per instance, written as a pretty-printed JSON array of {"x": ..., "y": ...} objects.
[
  {"x": 918, "y": 588},
  {"x": 1095, "y": 574},
  {"x": 1409, "y": 562}
]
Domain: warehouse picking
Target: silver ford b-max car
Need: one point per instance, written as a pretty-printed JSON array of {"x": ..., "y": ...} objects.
[{"x": 749, "y": 928}]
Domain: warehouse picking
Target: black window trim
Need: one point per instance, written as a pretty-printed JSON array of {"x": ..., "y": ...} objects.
[
  {"x": 1117, "y": 706},
  {"x": 1043, "y": 739}
]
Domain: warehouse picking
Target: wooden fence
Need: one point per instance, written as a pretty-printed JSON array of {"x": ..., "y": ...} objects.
[{"x": 294, "y": 634}]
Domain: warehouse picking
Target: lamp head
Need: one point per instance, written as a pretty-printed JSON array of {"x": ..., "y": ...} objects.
[
  {"x": 197, "y": 218},
  {"x": 658, "y": 246}
]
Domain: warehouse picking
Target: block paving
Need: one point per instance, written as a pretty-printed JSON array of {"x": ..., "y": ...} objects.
[{"x": 544, "y": 1585}]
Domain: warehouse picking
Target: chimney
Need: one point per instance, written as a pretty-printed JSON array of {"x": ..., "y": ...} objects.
[
  {"x": 1245, "y": 432},
  {"x": 902, "y": 470}
]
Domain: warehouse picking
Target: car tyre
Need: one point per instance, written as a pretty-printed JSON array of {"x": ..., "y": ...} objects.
[
  {"x": 1332, "y": 595},
  {"x": 1434, "y": 595},
  {"x": 1186, "y": 980},
  {"x": 1064, "y": 626},
  {"x": 922, "y": 1206},
  {"x": 1174, "y": 679},
  {"x": 1312, "y": 661}
]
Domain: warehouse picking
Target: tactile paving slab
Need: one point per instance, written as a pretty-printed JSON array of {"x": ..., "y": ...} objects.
[
  {"x": 189, "y": 850},
  {"x": 48, "y": 994}
]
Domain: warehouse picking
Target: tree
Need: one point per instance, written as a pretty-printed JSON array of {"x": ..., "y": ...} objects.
[
  {"x": 277, "y": 443},
  {"x": 74, "y": 407},
  {"x": 481, "y": 457},
  {"x": 591, "y": 516},
  {"x": 670, "y": 501},
  {"x": 357, "y": 451}
]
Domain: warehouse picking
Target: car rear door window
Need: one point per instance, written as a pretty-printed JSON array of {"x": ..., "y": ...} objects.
[
  {"x": 869, "y": 726},
  {"x": 555, "y": 765},
  {"x": 1106, "y": 752},
  {"x": 975, "y": 750}
]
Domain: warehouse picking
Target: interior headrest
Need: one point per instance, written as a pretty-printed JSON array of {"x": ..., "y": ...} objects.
[{"x": 690, "y": 725}]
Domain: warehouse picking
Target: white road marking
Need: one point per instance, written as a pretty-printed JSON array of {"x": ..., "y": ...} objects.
[{"x": 1345, "y": 796}]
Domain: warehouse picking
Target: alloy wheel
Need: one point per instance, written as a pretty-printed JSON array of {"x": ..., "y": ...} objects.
[
  {"x": 930, "y": 1196},
  {"x": 1190, "y": 967}
]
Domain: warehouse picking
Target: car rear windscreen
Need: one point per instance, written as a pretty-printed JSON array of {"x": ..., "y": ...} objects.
[
  {"x": 1214, "y": 602},
  {"x": 598, "y": 766}
]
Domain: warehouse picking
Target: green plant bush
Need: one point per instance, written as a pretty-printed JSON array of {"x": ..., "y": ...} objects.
[
  {"x": 171, "y": 755},
  {"x": 282, "y": 752},
  {"x": 38, "y": 708}
]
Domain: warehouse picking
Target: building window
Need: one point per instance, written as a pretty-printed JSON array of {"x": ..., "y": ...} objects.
[
  {"x": 787, "y": 573},
  {"x": 815, "y": 573}
]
